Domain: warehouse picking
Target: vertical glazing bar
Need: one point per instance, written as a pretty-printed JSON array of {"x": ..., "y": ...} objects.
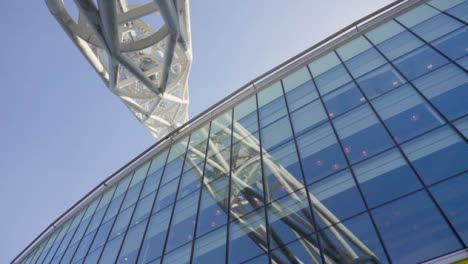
[
  {"x": 229, "y": 189},
  {"x": 265, "y": 186},
  {"x": 200, "y": 194},
  {"x": 350, "y": 168},
  {"x": 134, "y": 208},
  {"x": 303, "y": 174},
  {"x": 175, "y": 202},
  {"x": 152, "y": 206},
  {"x": 99, "y": 226},
  {"x": 116, "y": 216}
]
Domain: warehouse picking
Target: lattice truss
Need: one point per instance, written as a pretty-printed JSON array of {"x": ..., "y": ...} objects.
[
  {"x": 339, "y": 245},
  {"x": 146, "y": 67}
]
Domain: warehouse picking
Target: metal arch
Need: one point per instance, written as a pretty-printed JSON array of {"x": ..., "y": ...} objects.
[{"x": 147, "y": 68}]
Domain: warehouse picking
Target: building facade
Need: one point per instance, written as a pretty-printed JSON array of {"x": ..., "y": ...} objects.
[{"x": 355, "y": 152}]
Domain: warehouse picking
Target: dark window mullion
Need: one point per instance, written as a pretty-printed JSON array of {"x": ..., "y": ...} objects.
[
  {"x": 175, "y": 202},
  {"x": 100, "y": 223},
  {"x": 265, "y": 185},
  {"x": 314, "y": 223},
  {"x": 229, "y": 189},
  {"x": 116, "y": 216},
  {"x": 152, "y": 206},
  {"x": 86, "y": 229},
  {"x": 358, "y": 187},
  {"x": 200, "y": 193},
  {"x": 134, "y": 209}
]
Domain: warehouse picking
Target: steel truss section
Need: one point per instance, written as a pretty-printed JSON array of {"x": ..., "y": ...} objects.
[{"x": 146, "y": 67}]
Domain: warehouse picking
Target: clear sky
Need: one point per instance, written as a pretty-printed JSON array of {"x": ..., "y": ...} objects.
[{"x": 62, "y": 131}]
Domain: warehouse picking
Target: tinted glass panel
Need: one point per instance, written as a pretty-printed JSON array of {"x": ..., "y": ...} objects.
[{"x": 414, "y": 218}]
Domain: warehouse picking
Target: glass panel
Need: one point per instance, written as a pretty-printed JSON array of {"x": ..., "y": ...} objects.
[
  {"x": 296, "y": 79},
  {"x": 185, "y": 213},
  {"x": 365, "y": 62},
  {"x": 454, "y": 44},
  {"x": 437, "y": 155},
  {"x": 303, "y": 251},
  {"x": 444, "y": 4},
  {"x": 247, "y": 237},
  {"x": 121, "y": 223},
  {"x": 67, "y": 239},
  {"x": 93, "y": 257},
  {"x": 460, "y": 11},
  {"x": 416, "y": 220},
  {"x": 210, "y": 248},
  {"x": 419, "y": 62},
  {"x": 417, "y": 15},
  {"x": 406, "y": 114},
  {"x": 436, "y": 27},
  {"x": 380, "y": 81},
  {"x": 245, "y": 119},
  {"x": 175, "y": 161},
  {"x": 58, "y": 241},
  {"x": 166, "y": 196},
  {"x": 301, "y": 95},
  {"x": 289, "y": 219},
  {"x": 282, "y": 170},
  {"x": 463, "y": 62},
  {"x": 155, "y": 236},
  {"x": 179, "y": 256},
  {"x": 385, "y": 177},
  {"x": 327, "y": 198},
  {"x": 213, "y": 205},
  {"x": 324, "y": 63},
  {"x": 353, "y": 48},
  {"x": 361, "y": 134},
  {"x": 111, "y": 249},
  {"x": 462, "y": 125},
  {"x": 131, "y": 245},
  {"x": 447, "y": 89},
  {"x": 399, "y": 45},
  {"x": 271, "y": 104},
  {"x": 451, "y": 195},
  {"x": 384, "y": 32},
  {"x": 118, "y": 197},
  {"x": 258, "y": 260},
  {"x": 143, "y": 209},
  {"x": 246, "y": 176},
  {"x": 320, "y": 153},
  {"x": 220, "y": 134},
  {"x": 276, "y": 133},
  {"x": 353, "y": 241},
  {"x": 332, "y": 79},
  {"x": 308, "y": 117},
  {"x": 343, "y": 99}
]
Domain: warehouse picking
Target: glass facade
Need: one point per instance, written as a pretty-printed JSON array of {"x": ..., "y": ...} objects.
[{"x": 358, "y": 156}]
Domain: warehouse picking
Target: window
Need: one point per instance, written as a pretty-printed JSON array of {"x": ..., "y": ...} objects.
[
  {"x": 320, "y": 153},
  {"x": 385, "y": 177},
  {"x": 451, "y": 196},
  {"x": 210, "y": 248},
  {"x": 247, "y": 237},
  {"x": 361, "y": 134},
  {"x": 379, "y": 81},
  {"x": 416, "y": 220},
  {"x": 327, "y": 198},
  {"x": 453, "y": 44},
  {"x": 406, "y": 114},
  {"x": 305, "y": 250},
  {"x": 352, "y": 240},
  {"x": 155, "y": 236},
  {"x": 438, "y": 154},
  {"x": 343, "y": 99},
  {"x": 419, "y": 62},
  {"x": 447, "y": 89}
]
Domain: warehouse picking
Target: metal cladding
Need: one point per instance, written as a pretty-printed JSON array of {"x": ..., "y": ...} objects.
[{"x": 145, "y": 66}]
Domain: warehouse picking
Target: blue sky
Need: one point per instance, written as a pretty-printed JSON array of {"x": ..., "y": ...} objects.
[{"x": 62, "y": 131}]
